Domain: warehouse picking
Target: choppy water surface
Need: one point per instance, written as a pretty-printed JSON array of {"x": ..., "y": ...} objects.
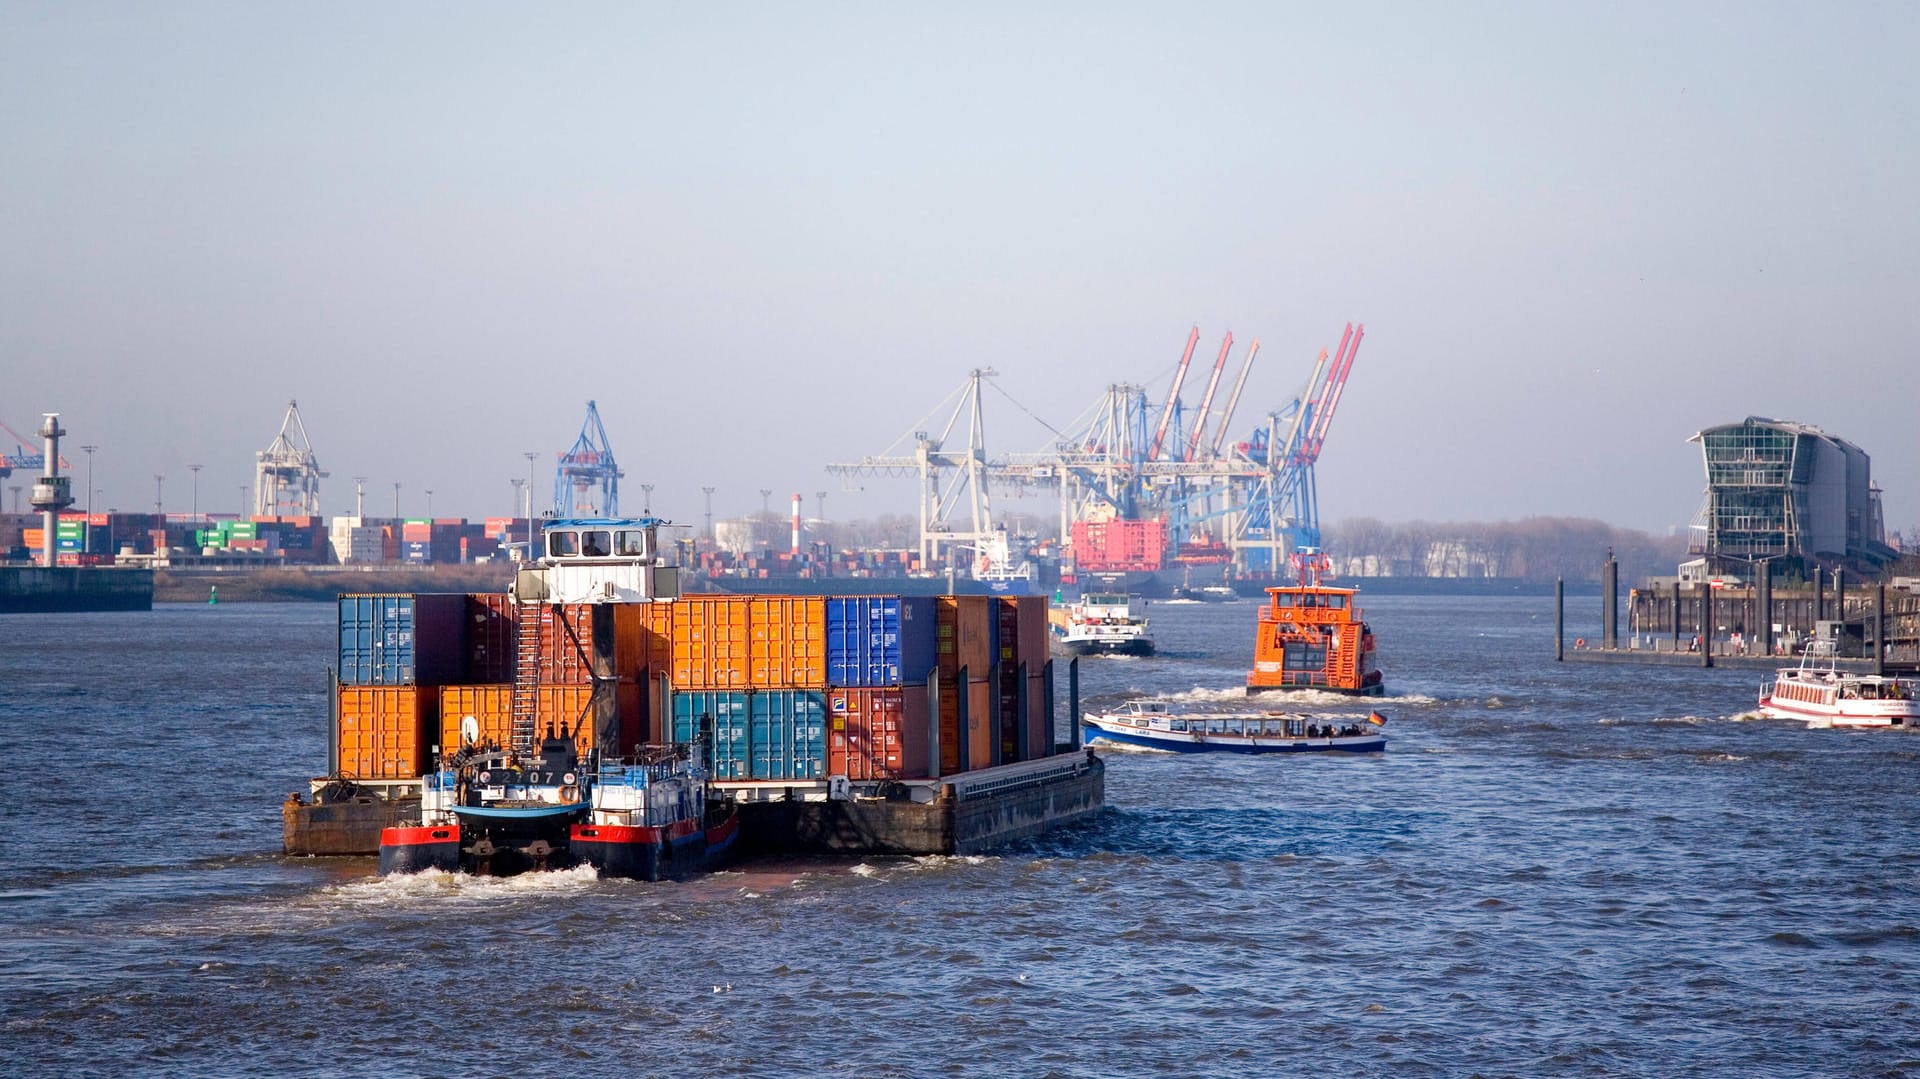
[{"x": 1555, "y": 870}]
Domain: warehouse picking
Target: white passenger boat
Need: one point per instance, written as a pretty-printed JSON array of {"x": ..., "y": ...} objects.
[
  {"x": 1161, "y": 725},
  {"x": 1101, "y": 624},
  {"x": 1825, "y": 696}
]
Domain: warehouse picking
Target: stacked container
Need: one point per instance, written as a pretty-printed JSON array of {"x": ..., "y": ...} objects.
[
  {"x": 966, "y": 627},
  {"x": 879, "y": 652},
  {"x": 395, "y": 651}
]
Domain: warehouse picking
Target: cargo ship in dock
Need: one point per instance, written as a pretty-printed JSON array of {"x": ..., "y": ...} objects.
[{"x": 876, "y": 724}]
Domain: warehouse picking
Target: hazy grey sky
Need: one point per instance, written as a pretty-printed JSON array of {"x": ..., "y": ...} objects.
[{"x": 765, "y": 237}]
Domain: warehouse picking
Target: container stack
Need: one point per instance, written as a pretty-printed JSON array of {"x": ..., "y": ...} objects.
[{"x": 789, "y": 688}]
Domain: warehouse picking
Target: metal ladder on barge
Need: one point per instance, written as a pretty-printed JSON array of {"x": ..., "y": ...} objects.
[{"x": 527, "y": 619}]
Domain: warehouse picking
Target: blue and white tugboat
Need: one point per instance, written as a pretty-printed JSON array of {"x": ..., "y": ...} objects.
[
  {"x": 1154, "y": 724},
  {"x": 492, "y": 812},
  {"x": 544, "y": 802}
]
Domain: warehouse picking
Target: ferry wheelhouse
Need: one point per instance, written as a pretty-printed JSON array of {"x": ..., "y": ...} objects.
[
  {"x": 1825, "y": 696},
  {"x": 1312, "y": 636}
]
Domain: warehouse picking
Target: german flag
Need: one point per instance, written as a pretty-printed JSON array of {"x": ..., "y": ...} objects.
[{"x": 1376, "y": 719}]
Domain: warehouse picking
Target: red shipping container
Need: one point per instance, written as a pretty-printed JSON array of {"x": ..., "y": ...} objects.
[{"x": 865, "y": 732}]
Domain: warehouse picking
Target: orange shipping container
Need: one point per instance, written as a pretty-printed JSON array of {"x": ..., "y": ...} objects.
[
  {"x": 787, "y": 646},
  {"x": 385, "y": 732},
  {"x": 710, "y": 642},
  {"x": 642, "y": 639},
  {"x": 980, "y": 725},
  {"x": 560, "y": 707},
  {"x": 964, "y": 630}
]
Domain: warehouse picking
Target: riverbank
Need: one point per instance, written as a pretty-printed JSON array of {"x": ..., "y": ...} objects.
[{"x": 322, "y": 584}]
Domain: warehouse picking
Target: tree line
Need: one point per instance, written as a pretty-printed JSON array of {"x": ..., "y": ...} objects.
[{"x": 1533, "y": 549}]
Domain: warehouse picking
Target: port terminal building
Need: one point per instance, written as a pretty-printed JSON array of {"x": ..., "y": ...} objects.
[{"x": 1787, "y": 496}]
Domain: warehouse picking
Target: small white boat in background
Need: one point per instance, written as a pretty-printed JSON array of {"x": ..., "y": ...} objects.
[
  {"x": 1101, "y": 624},
  {"x": 1156, "y": 724},
  {"x": 1826, "y": 697}
]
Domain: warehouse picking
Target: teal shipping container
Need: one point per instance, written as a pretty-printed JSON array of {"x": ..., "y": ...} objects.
[
  {"x": 728, "y": 710},
  {"x": 787, "y": 738}
]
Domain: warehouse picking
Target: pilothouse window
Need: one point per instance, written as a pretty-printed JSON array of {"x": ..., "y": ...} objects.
[
  {"x": 631, "y": 542},
  {"x": 596, "y": 544},
  {"x": 563, "y": 544}
]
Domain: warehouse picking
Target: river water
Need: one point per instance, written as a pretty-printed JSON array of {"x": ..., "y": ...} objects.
[{"x": 1554, "y": 870}]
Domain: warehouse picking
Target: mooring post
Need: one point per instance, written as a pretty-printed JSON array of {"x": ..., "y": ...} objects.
[
  {"x": 1706, "y": 624},
  {"x": 1073, "y": 701},
  {"x": 1676, "y": 616},
  {"x": 1879, "y": 629},
  {"x": 1840, "y": 603},
  {"x": 1610, "y": 625},
  {"x": 1763, "y": 586},
  {"x": 1560, "y": 619}
]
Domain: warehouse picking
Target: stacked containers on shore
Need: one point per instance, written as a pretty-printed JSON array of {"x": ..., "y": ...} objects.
[
  {"x": 879, "y": 652},
  {"x": 395, "y": 651}
]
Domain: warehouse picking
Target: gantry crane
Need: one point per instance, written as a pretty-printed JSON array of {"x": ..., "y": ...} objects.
[
  {"x": 286, "y": 476},
  {"x": 24, "y": 457},
  {"x": 587, "y": 481},
  {"x": 1250, "y": 502}
]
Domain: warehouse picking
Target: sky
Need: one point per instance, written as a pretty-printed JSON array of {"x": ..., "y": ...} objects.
[{"x": 767, "y": 237}]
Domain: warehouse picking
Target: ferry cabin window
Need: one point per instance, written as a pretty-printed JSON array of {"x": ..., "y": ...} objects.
[
  {"x": 1337, "y": 602},
  {"x": 631, "y": 542},
  {"x": 1178, "y": 724},
  {"x": 596, "y": 544},
  {"x": 1283, "y": 600},
  {"x": 563, "y": 544},
  {"x": 1216, "y": 726},
  {"x": 1299, "y": 657},
  {"x": 1233, "y": 726}
]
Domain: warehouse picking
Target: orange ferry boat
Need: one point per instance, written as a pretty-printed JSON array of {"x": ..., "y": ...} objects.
[{"x": 1311, "y": 636}]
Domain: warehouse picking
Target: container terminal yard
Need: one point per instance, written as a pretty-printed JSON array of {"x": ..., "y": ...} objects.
[{"x": 1152, "y": 496}]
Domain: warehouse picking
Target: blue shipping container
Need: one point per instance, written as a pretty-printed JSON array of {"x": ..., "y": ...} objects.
[
  {"x": 728, "y": 708},
  {"x": 880, "y": 640},
  {"x": 788, "y": 735},
  {"x": 403, "y": 639}
]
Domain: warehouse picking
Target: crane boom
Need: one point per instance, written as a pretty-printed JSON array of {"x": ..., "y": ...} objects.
[
  {"x": 1206, "y": 400},
  {"x": 1233, "y": 399},
  {"x": 1166, "y": 414},
  {"x": 1330, "y": 393}
]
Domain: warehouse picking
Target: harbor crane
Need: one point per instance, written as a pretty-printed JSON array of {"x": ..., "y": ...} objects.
[
  {"x": 955, "y": 512},
  {"x": 587, "y": 481},
  {"x": 1249, "y": 503},
  {"x": 287, "y": 475},
  {"x": 24, "y": 457}
]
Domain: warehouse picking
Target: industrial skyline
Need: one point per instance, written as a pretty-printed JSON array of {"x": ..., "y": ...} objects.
[{"x": 1577, "y": 236}]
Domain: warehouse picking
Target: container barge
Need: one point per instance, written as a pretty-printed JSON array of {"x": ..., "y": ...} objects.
[{"x": 875, "y": 724}]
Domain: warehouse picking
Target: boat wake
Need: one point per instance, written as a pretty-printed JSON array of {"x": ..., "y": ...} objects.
[{"x": 439, "y": 886}]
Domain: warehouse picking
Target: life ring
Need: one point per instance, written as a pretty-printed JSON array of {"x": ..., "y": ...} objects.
[
  {"x": 570, "y": 793},
  {"x": 1579, "y": 642}
]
